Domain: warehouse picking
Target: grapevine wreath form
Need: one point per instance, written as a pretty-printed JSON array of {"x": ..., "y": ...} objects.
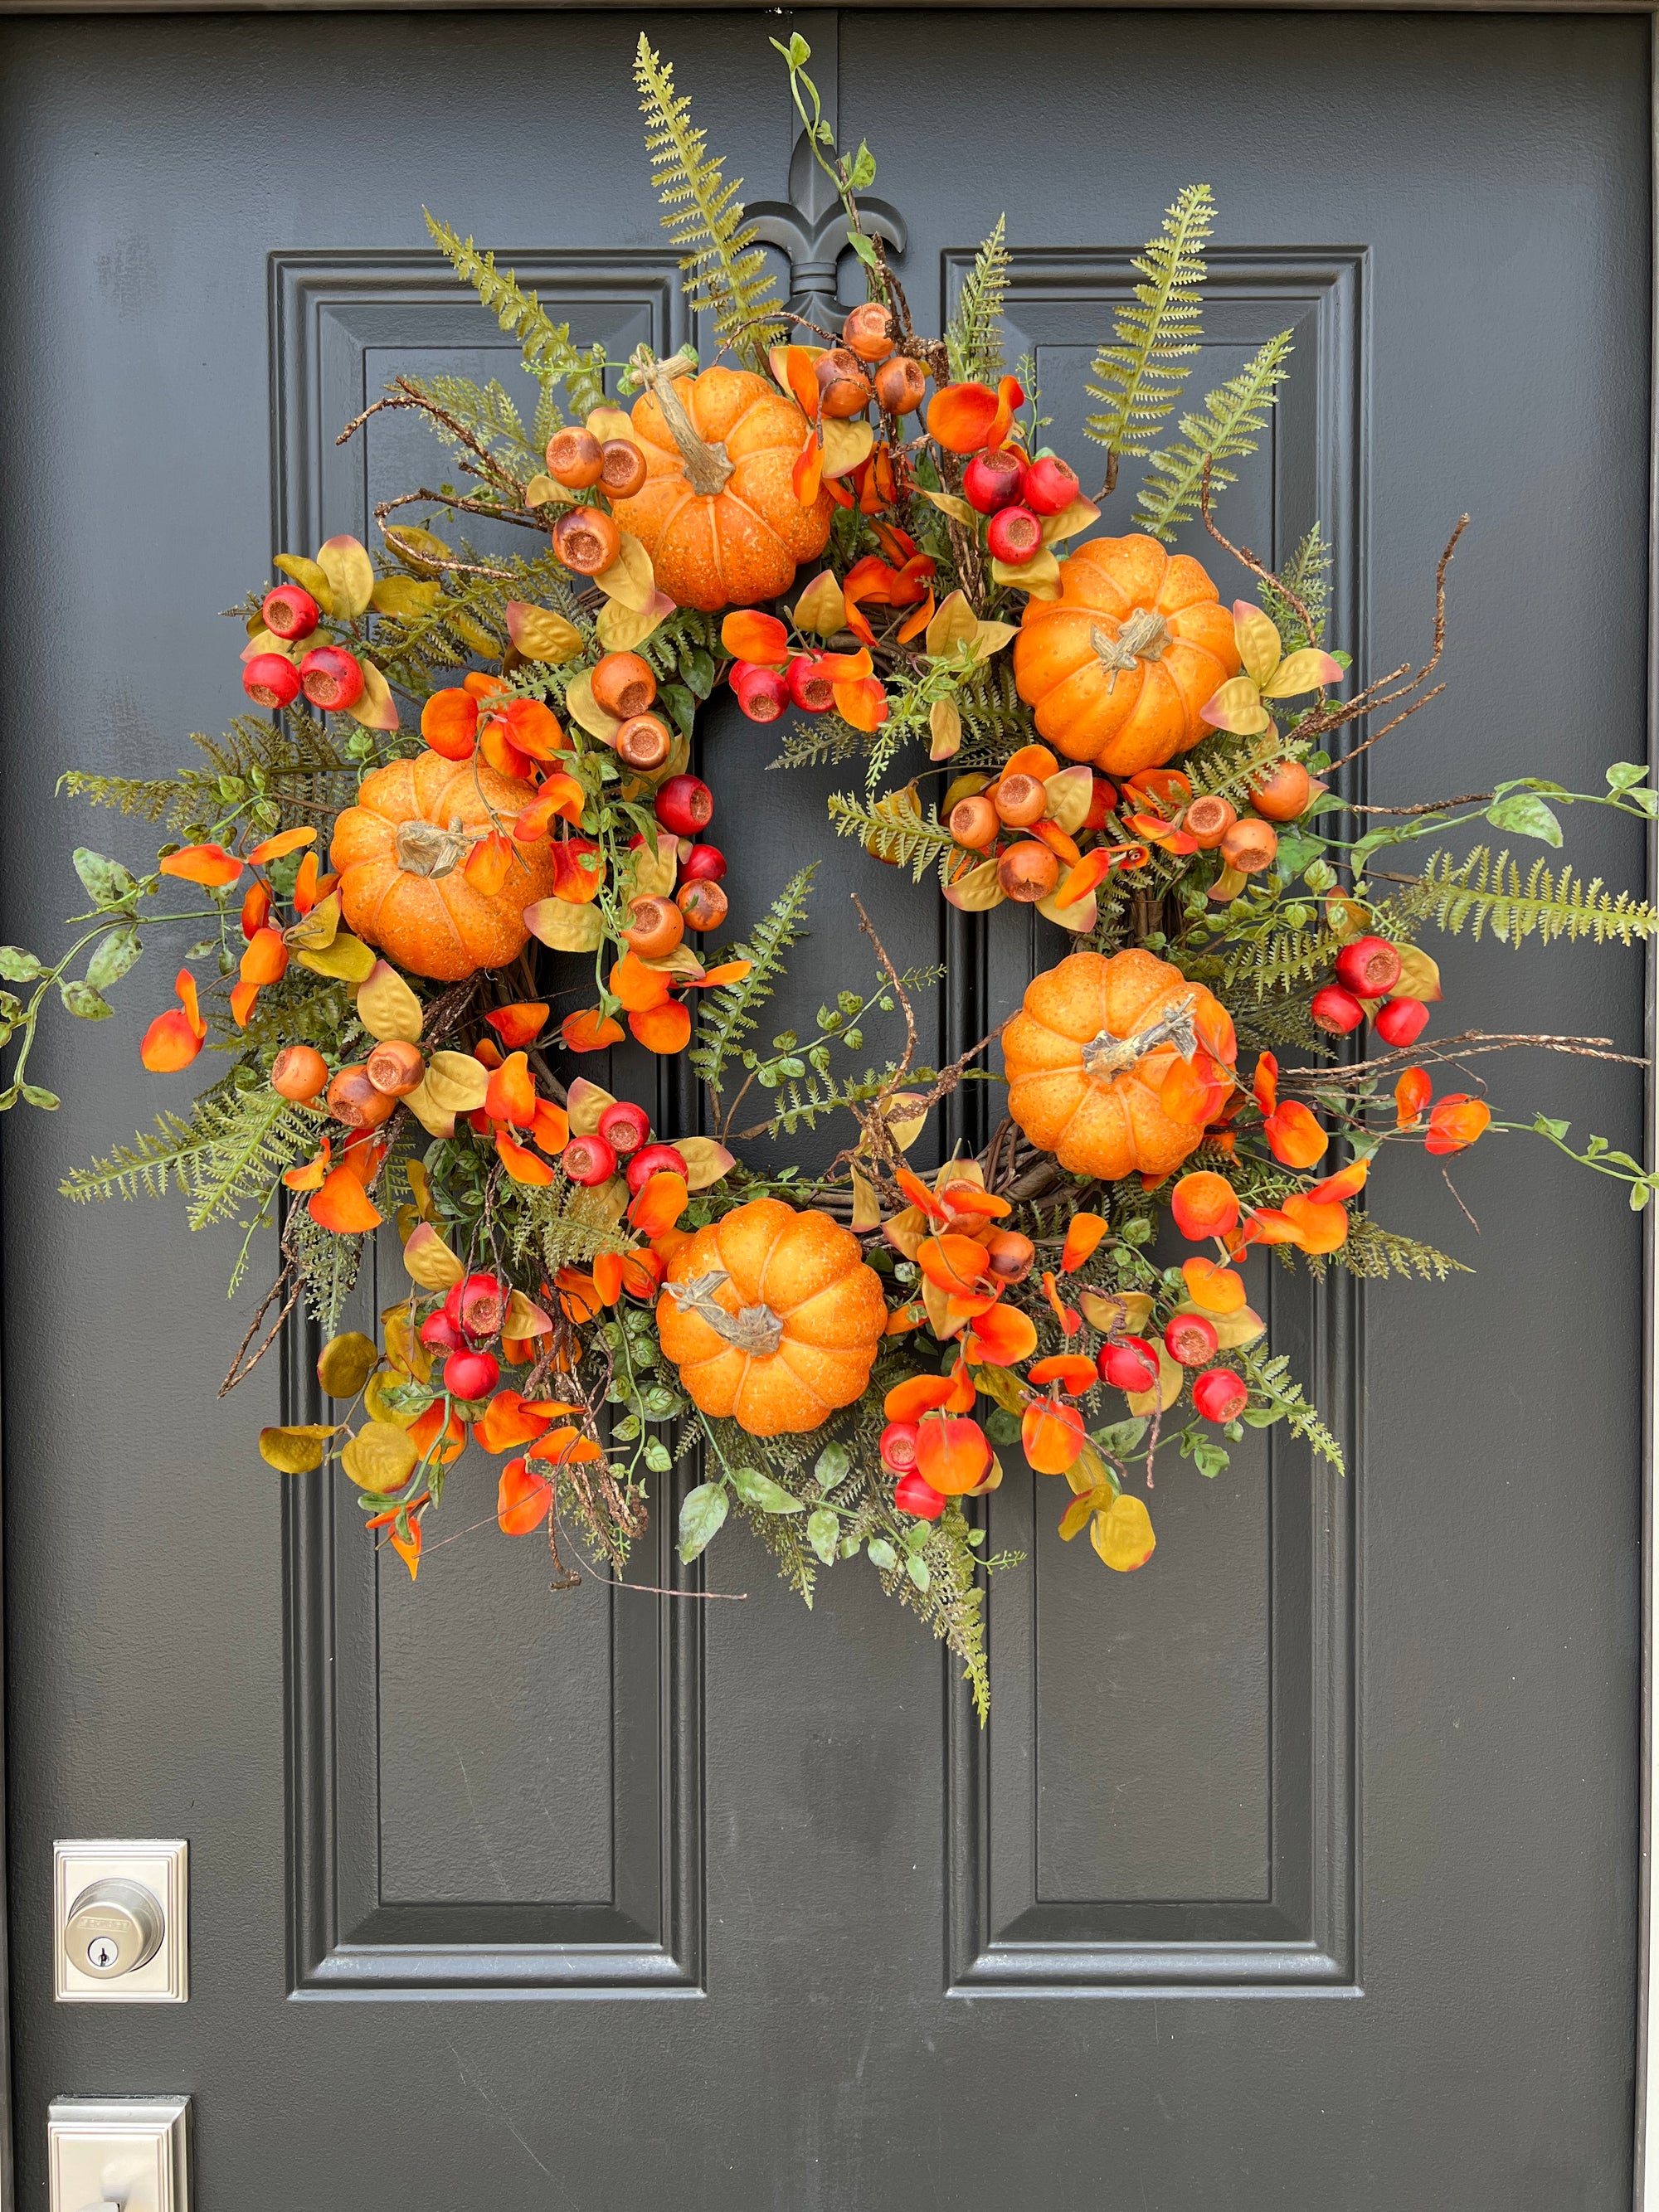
[{"x": 455, "y": 758}]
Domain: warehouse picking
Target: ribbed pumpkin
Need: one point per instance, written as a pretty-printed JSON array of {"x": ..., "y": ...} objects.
[
  {"x": 1118, "y": 666},
  {"x": 1073, "y": 1095},
  {"x": 772, "y": 1317},
  {"x": 401, "y": 850},
  {"x": 718, "y": 512}
]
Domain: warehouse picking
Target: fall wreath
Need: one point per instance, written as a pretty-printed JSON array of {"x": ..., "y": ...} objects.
[{"x": 457, "y": 756}]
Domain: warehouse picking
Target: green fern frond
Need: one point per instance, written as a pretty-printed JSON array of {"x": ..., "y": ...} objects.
[
  {"x": 1137, "y": 379},
  {"x": 487, "y": 412},
  {"x": 895, "y": 830},
  {"x": 548, "y": 354},
  {"x": 1493, "y": 895},
  {"x": 1308, "y": 573},
  {"x": 722, "y": 264},
  {"x": 804, "y": 1106},
  {"x": 818, "y": 739},
  {"x": 295, "y": 757},
  {"x": 147, "y": 1168},
  {"x": 328, "y": 1264},
  {"x": 1375, "y": 1252},
  {"x": 557, "y": 1227},
  {"x": 1272, "y": 1379},
  {"x": 228, "y": 1155},
  {"x": 973, "y": 337},
  {"x": 1233, "y": 418},
  {"x": 729, "y": 1012}
]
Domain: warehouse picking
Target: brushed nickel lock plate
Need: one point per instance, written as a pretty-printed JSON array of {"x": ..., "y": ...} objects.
[
  {"x": 120, "y": 1923},
  {"x": 133, "y": 2152}
]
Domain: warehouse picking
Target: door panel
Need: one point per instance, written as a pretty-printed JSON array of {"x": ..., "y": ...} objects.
[{"x": 1345, "y": 1778}]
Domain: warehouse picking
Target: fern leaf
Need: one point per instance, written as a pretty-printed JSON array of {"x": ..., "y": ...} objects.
[
  {"x": 1272, "y": 1379},
  {"x": 1233, "y": 418},
  {"x": 973, "y": 337},
  {"x": 548, "y": 354},
  {"x": 1375, "y": 1252},
  {"x": 895, "y": 830},
  {"x": 721, "y": 262},
  {"x": 1308, "y": 573},
  {"x": 328, "y": 1264},
  {"x": 486, "y": 411},
  {"x": 729, "y": 1012},
  {"x": 1485, "y": 894},
  {"x": 817, "y": 739},
  {"x": 226, "y": 1155},
  {"x": 1137, "y": 379},
  {"x": 147, "y": 1168}
]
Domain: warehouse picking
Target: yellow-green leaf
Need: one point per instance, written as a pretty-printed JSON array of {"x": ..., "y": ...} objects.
[
  {"x": 1171, "y": 1377},
  {"x": 387, "y": 1008},
  {"x": 821, "y": 610},
  {"x": 348, "y": 960},
  {"x": 978, "y": 890},
  {"x": 584, "y": 1102},
  {"x": 1080, "y": 915},
  {"x": 403, "y": 598},
  {"x": 1260, "y": 646},
  {"x": 565, "y": 925},
  {"x": 954, "y": 623},
  {"x": 1128, "y": 1311},
  {"x": 1304, "y": 671},
  {"x": 457, "y": 1082},
  {"x": 944, "y": 727},
  {"x": 1070, "y": 520},
  {"x": 374, "y": 706},
  {"x": 906, "y": 1117},
  {"x": 430, "y": 1262},
  {"x": 1123, "y": 1535},
  {"x": 435, "y": 1119},
  {"x": 1039, "y": 576},
  {"x": 1071, "y": 793},
  {"x": 948, "y": 503},
  {"x": 846, "y": 444},
  {"x": 543, "y": 490},
  {"x": 585, "y": 710},
  {"x": 350, "y": 574},
  {"x": 607, "y": 423},
  {"x": 621, "y": 630},
  {"x": 706, "y": 1162},
  {"x": 631, "y": 577},
  {"x": 1236, "y": 707},
  {"x": 542, "y": 633},
  {"x": 1419, "y": 975},
  {"x": 416, "y": 546},
  {"x": 316, "y": 931},
  {"x": 990, "y": 637},
  {"x": 309, "y": 577},
  {"x": 346, "y": 1363},
  {"x": 866, "y": 1206},
  {"x": 380, "y": 1458},
  {"x": 298, "y": 1449}
]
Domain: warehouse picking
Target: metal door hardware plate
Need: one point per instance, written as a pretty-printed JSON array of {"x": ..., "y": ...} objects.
[
  {"x": 130, "y": 2151},
  {"x": 120, "y": 1921}
]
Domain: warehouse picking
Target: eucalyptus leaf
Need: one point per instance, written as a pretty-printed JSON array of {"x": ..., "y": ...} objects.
[
  {"x": 701, "y": 1517},
  {"x": 831, "y": 1465},
  {"x": 916, "y": 1567},
  {"x": 112, "y": 957},
  {"x": 824, "y": 1533},
  {"x": 881, "y": 1554},
  {"x": 1524, "y": 814},
  {"x": 106, "y": 880},
  {"x": 18, "y": 966},
  {"x": 759, "y": 1489},
  {"x": 48, "y": 1101},
  {"x": 84, "y": 1003}
]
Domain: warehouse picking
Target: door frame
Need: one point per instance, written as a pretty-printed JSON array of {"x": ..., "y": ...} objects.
[{"x": 1645, "y": 2118}]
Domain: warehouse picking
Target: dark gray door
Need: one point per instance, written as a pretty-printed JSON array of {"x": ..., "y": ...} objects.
[{"x": 1312, "y": 1850}]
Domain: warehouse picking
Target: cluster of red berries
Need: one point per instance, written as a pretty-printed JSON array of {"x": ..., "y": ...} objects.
[
  {"x": 1014, "y": 494},
  {"x": 469, "y": 1319},
  {"x": 912, "y": 1492},
  {"x": 1131, "y": 1362},
  {"x": 620, "y": 1144},
  {"x": 1367, "y": 970},
  {"x": 807, "y": 681},
  {"x": 683, "y": 805},
  {"x": 330, "y": 677}
]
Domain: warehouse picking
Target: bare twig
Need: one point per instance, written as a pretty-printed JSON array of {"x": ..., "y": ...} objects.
[
  {"x": 1467, "y": 1045},
  {"x": 1245, "y": 557},
  {"x": 241, "y": 1368}
]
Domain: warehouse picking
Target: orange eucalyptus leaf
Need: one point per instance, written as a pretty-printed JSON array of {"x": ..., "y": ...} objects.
[
  {"x": 659, "y": 1203},
  {"x": 285, "y": 840},
  {"x": 522, "y": 1165},
  {"x": 590, "y": 1031},
  {"x": 665, "y": 1029},
  {"x": 1083, "y": 1233},
  {"x": 344, "y": 1205},
  {"x": 511, "y": 1093},
  {"x": 208, "y": 865}
]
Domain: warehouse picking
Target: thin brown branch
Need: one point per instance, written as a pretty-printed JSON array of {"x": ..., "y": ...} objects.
[
  {"x": 1467, "y": 1045},
  {"x": 1247, "y": 559},
  {"x": 1404, "y": 715},
  {"x": 452, "y": 500},
  {"x": 241, "y": 1368}
]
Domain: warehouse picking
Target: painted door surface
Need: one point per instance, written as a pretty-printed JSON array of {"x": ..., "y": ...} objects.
[{"x": 1312, "y": 1849}]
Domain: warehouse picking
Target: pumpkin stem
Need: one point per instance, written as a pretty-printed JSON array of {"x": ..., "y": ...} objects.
[
  {"x": 423, "y": 849},
  {"x": 755, "y": 1329},
  {"x": 1145, "y": 636},
  {"x": 708, "y": 471},
  {"x": 1107, "y": 1055}
]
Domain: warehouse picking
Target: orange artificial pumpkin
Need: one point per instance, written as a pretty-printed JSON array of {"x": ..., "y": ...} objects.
[
  {"x": 1072, "y": 1088},
  {"x": 400, "y": 853},
  {"x": 1118, "y": 666},
  {"x": 772, "y": 1317},
  {"x": 718, "y": 512}
]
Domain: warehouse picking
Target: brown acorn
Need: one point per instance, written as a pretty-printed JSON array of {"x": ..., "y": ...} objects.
[
  {"x": 575, "y": 457},
  {"x": 585, "y": 539},
  {"x": 1028, "y": 871},
  {"x": 843, "y": 387}
]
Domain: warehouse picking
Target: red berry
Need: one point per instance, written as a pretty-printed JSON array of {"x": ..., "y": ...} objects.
[
  {"x": 1403, "y": 1021},
  {"x": 471, "y": 1374},
  {"x": 1014, "y": 535},
  {"x": 1369, "y": 967},
  {"x": 290, "y": 612},
  {"x": 1336, "y": 1011},
  {"x": 271, "y": 680},
  {"x": 1219, "y": 1394},
  {"x": 1129, "y": 1364},
  {"x": 762, "y": 693},
  {"x": 589, "y": 1160},
  {"x": 703, "y": 864},
  {"x": 812, "y": 691},
  {"x": 914, "y": 1495},
  {"x": 438, "y": 1331},
  {"x": 1050, "y": 486},
  {"x": 653, "y": 1159},
  {"x": 331, "y": 678},
  {"x": 685, "y": 805},
  {"x": 624, "y": 1125},
  {"x": 1189, "y": 1340},
  {"x": 898, "y": 1445},
  {"x": 992, "y": 481},
  {"x": 476, "y": 1306}
]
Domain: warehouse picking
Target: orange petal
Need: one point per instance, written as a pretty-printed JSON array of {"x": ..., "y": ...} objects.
[
  {"x": 1083, "y": 1233},
  {"x": 408, "y": 1548},
  {"x": 170, "y": 1043},
  {"x": 1000, "y": 1338},
  {"x": 314, "y": 1174},
  {"x": 590, "y": 1031},
  {"x": 522, "y": 1165},
  {"x": 344, "y": 1205},
  {"x": 1293, "y": 1135},
  {"x": 551, "y": 1127},
  {"x": 285, "y": 840},
  {"x": 1075, "y": 1374},
  {"x": 642, "y": 1272},
  {"x": 1319, "y": 1228},
  {"x": 1411, "y": 1094},
  {"x": 913, "y": 625},
  {"x": 1052, "y": 1435},
  {"x": 1456, "y": 1122},
  {"x": 664, "y": 1029},
  {"x": 495, "y": 745},
  {"x": 1091, "y": 872},
  {"x": 863, "y": 703},
  {"x": 519, "y": 1023},
  {"x": 847, "y": 667},
  {"x": 1217, "y": 1289},
  {"x": 242, "y": 997},
  {"x": 953, "y": 1262},
  {"x": 488, "y": 1053},
  {"x": 488, "y": 863},
  {"x": 1186, "y": 1096},
  {"x": 362, "y": 1155},
  {"x": 256, "y": 908},
  {"x": 608, "y": 1276},
  {"x": 266, "y": 958},
  {"x": 427, "y": 1432},
  {"x": 306, "y": 893},
  {"x": 511, "y": 1093},
  {"x": 578, "y": 870},
  {"x": 210, "y": 865},
  {"x": 953, "y": 1454},
  {"x": 1266, "y": 1084},
  {"x": 1164, "y": 787},
  {"x": 916, "y": 1396},
  {"x": 1051, "y": 835},
  {"x": 637, "y": 987},
  {"x": 748, "y": 635},
  {"x": 508, "y": 1421},
  {"x": 560, "y": 797},
  {"x": 532, "y": 728},
  {"x": 807, "y": 474},
  {"x": 1346, "y": 1182},
  {"x": 729, "y": 971},
  {"x": 794, "y": 367},
  {"x": 919, "y": 1194},
  {"x": 1267, "y": 1224},
  {"x": 1068, "y": 1317},
  {"x": 960, "y": 416},
  {"x": 523, "y": 1500},
  {"x": 1204, "y": 1204},
  {"x": 959, "y": 1198},
  {"x": 449, "y": 723},
  {"x": 579, "y": 1296},
  {"x": 659, "y": 1203}
]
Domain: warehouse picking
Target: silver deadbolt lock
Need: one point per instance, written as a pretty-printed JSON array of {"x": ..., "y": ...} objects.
[{"x": 113, "y": 1928}]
